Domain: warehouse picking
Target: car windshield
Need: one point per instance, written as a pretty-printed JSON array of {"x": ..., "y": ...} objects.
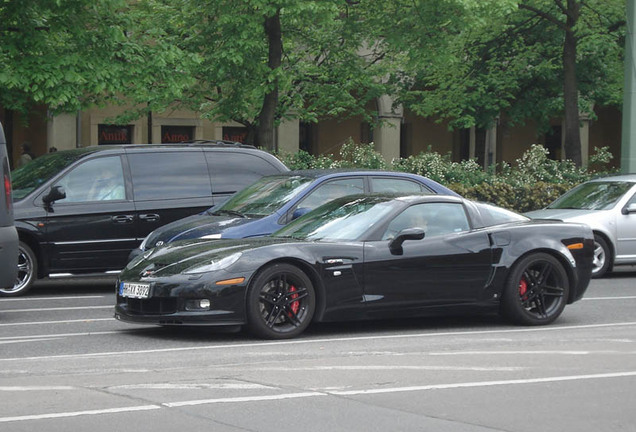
[
  {"x": 492, "y": 215},
  {"x": 40, "y": 170},
  {"x": 600, "y": 195},
  {"x": 344, "y": 220},
  {"x": 265, "y": 196}
]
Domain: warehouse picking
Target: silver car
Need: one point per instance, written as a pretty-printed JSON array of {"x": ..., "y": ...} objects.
[{"x": 608, "y": 206}]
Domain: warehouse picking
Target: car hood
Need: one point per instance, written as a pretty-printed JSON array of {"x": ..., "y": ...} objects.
[
  {"x": 195, "y": 226},
  {"x": 181, "y": 256},
  {"x": 562, "y": 214}
]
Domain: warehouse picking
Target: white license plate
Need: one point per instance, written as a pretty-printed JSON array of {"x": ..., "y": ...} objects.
[{"x": 134, "y": 290}]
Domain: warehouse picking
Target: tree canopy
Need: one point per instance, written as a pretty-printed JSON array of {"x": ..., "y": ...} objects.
[{"x": 259, "y": 62}]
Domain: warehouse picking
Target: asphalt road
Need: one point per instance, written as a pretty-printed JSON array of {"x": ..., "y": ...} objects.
[{"x": 67, "y": 365}]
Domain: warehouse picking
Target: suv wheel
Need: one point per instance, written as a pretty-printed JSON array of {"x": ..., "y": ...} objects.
[{"x": 27, "y": 271}]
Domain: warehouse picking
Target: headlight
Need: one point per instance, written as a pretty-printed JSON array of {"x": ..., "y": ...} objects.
[{"x": 215, "y": 264}]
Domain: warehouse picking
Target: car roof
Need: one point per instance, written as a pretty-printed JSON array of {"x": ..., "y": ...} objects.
[
  {"x": 339, "y": 172},
  {"x": 618, "y": 177},
  {"x": 407, "y": 199}
]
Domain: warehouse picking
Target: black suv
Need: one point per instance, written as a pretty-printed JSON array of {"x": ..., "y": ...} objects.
[
  {"x": 82, "y": 211},
  {"x": 8, "y": 234}
]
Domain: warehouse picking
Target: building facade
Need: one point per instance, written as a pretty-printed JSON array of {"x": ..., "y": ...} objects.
[{"x": 400, "y": 133}]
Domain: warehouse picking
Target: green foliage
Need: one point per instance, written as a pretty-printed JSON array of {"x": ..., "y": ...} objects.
[{"x": 532, "y": 182}]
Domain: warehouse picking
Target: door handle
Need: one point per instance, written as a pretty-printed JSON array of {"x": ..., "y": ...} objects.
[
  {"x": 151, "y": 217},
  {"x": 122, "y": 219}
]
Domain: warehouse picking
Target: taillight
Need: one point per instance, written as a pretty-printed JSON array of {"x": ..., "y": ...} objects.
[{"x": 7, "y": 191}]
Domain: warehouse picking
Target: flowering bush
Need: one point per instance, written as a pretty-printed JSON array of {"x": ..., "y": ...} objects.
[{"x": 531, "y": 183}]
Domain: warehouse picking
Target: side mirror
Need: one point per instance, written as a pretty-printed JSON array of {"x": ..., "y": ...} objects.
[
  {"x": 299, "y": 212},
  {"x": 56, "y": 193},
  {"x": 406, "y": 234},
  {"x": 629, "y": 209}
]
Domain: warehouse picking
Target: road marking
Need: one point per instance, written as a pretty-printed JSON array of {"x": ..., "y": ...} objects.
[
  {"x": 200, "y": 386},
  {"x": 23, "y": 340},
  {"x": 86, "y": 320},
  {"x": 359, "y": 392},
  {"x": 36, "y": 388},
  {"x": 485, "y": 383},
  {"x": 60, "y": 335},
  {"x": 575, "y": 353},
  {"x": 244, "y": 399},
  {"x": 3, "y": 300},
  {"x": 610, "y": 298},
  {"x": 380, "y": 368},
  {"x": 79, "y": 413},
  {"x": 57, "y": 309},
  {"x": 314, "y": 341}
]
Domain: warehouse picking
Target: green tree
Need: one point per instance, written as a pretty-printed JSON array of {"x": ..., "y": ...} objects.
[
  {"x": 58, "y": 53},
  {"x": 529, "y": 59},
  {"x": 258, "y": 62}
]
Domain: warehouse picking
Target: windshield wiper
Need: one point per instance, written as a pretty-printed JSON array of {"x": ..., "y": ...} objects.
[{"x": 230, "y": 212}]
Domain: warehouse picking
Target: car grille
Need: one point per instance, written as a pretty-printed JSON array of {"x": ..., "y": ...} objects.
[{"x": 152, "y": 306}]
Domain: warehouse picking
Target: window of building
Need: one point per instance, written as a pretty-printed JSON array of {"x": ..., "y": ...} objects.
[
  {"x": 236, "y": 134},
  {"x": 114, "y": 134},
  {"x": 176, "y": 134}
]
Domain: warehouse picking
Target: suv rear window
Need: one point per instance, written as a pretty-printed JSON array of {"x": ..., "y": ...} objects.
[
  {"x": 232, "y": 171},
  {"x": 169, "y": 175}
]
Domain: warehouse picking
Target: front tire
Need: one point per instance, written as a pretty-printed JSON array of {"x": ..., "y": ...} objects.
[
  {"x": 27, "y": 272},
  {"x": 602, "y": 257},
  {"x": 536, "y": 291},
  {"x": 280, "y": 302}
]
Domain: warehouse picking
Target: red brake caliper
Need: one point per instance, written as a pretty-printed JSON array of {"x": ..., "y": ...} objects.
[
  {"x": 523, "y": 287},
  {"x": 296, "y": 304}
]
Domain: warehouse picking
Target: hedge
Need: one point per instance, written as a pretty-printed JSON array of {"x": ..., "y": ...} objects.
[{"x": 531, "y": 183}]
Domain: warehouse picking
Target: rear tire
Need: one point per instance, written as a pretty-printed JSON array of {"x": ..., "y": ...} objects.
[
  {"x": 280, "y": 302},
  {"x": 27, "y": 272},
  {"x": 536, "y": 291}
]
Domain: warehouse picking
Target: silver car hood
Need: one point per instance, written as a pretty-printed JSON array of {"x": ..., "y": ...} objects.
[{"x": 568, "y": 215}]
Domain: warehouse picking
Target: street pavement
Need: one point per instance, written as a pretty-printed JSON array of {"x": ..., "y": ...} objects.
[{"x": 67, "y": 365}]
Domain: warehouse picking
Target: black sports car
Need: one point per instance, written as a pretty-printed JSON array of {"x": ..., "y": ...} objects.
[{"x": 365, "y": 257}]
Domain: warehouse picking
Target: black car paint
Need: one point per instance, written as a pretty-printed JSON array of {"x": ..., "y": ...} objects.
[
  {"x": 92, "y": 237},
  {"x": 467, "y": 269}
]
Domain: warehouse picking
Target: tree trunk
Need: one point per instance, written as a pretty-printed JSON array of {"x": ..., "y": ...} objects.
[
  {"x": 266, "y": 118},
  {"x": 570, "y": 87}
]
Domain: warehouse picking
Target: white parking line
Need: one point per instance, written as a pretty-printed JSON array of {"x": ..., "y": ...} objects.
[
  {"x": 85, "y": 320},
  {"x": 486, "y": 383},
  {"x": 314, "y": 341},
  {"x": 5, "y": 299},
  {"x": 309, "y": 394},
  {"x": 58, "y": 309},
  {"x": 610, "y": 298}
]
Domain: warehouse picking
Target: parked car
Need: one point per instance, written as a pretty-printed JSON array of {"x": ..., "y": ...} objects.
[
  {"x": 8, "y": 233},
  {"x": 608, "y": 205},
  {"x": 363, "y": 257},
  {"x": 82, "y": 211},
  {"x": 274, "y": 201}
]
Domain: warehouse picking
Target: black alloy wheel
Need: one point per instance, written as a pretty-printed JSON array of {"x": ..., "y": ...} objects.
[
  {"x": 536, "y": 291},
  {"x": 280, "y": 302},
  {"x": 27, "y": 272}
]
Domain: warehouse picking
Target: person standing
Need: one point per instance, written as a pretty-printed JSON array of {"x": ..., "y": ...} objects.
[{"x": 26, "y": 155}]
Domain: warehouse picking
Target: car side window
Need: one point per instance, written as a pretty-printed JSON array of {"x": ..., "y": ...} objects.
[
  {"x": 397, "y": 185},
  {"x": 332, "y": 190},
  {"x": 232, "y": 172},
  {"x": 99, "y": 179},
  {"x": 169, "y": 175},
  {"x": 434, "y": 218}
]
